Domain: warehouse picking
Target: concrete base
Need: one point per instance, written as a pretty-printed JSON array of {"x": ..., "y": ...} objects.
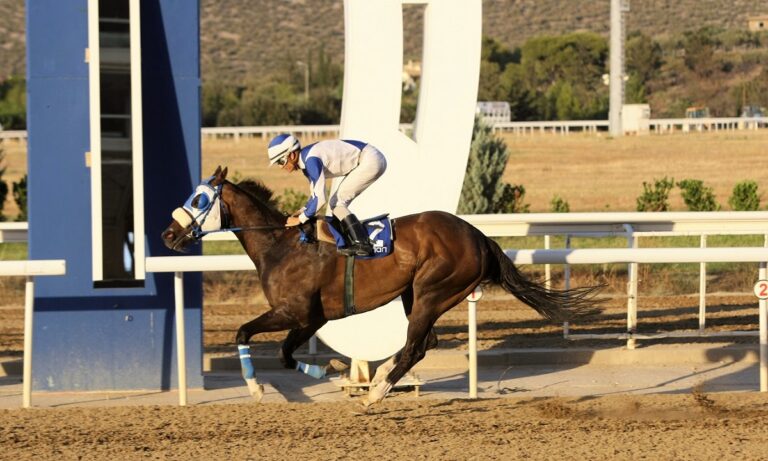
[{"x": 443, "y": 359}]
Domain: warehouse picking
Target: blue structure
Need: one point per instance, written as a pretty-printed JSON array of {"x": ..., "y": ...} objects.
[{"x": 117, "y": 332}]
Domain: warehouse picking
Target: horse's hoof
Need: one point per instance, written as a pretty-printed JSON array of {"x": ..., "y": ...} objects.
[
  {"x": 336, "y": 366},
  {"x": 258, "y": 393},
  {"x": 255, "y": 389},
  {"x": 362, "y": 407}
]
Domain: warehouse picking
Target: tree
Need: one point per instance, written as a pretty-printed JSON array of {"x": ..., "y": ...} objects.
[
  {"x": 219, "y": 98},
  {"x": 3, "y": 184},
  {"x": 563, "y": 75},
  {"x": 644, "y": 60},
  {"x": 13, "y": 104},
  {"x": 644, "y": 56},
  {"x": 20, "y": 197},
  {"x": 699, "y": 48},
  {"x": 483, "y": 191}
]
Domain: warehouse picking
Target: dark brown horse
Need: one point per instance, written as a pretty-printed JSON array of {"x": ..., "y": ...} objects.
[{"x": 438, "y": 260}]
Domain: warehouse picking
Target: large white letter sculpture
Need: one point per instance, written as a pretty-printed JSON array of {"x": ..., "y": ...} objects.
[{"x": 423, "y": 173}]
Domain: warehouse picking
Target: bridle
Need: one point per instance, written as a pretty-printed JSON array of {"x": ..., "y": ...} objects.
[{"x": 195, "y": 222}]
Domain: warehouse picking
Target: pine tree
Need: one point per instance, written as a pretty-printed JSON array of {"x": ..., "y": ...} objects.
[
  {"x": 482, "y": 182},
  {"x": 483, "y": 191}
]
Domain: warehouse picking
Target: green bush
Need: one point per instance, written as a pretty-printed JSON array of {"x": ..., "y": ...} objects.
[
  {"x": 291, "y": 200},
  {"x": 3, "y": 184},
  {"x": 558, "y": 205},
  {"x": 745, "y": 196},
  {"x": 655, "y": 197},
  {"x": 696, "y": 196},
  {"x": 20, "y": 197},
  {"x": 13, "y": 103},
  {"x": 510, "y": 200}
]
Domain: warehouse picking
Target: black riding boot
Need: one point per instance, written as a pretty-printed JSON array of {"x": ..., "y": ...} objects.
[{"x": 358, "y": 243}]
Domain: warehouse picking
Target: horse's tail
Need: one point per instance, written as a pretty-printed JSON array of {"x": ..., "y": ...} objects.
[{"x": 556, "y": 305}]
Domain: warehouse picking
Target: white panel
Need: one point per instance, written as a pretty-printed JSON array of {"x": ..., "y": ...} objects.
[
  {"x": 425, "y": 174},
  {"x": 94, "y": 82},
  {"x": 137, "y": 140}
]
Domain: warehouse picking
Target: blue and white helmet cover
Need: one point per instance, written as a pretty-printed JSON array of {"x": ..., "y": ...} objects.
[{"x": 280, "y": 146}]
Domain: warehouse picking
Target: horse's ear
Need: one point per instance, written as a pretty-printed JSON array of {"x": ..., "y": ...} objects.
[
  {"x": 224, "y": 173},
  {"x": 217, "y": 172}
]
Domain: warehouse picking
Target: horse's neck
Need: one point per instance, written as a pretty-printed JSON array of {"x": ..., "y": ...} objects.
[{"x": 256, "y": 242}]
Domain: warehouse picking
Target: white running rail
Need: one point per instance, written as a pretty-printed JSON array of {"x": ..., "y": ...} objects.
[
  {"x": 659, "y": 126},
  {"x": 30, "y": 269},
  {"x": 579, "y": 224}
]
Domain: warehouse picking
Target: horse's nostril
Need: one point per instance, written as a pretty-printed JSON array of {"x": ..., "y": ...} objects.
[{"x": 168, "y": 235}]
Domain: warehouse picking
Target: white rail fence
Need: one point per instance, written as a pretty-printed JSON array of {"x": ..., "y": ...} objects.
[
  {"x": 630, "y": 225},
  {"x": 17, "y": 232},
  {"x": 658, "y": 126}
]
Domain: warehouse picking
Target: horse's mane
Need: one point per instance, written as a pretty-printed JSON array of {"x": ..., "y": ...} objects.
[{"x": 259, "y": 192}]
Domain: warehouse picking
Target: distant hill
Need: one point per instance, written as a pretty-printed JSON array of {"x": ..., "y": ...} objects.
[{"x": 245, "y": 39}]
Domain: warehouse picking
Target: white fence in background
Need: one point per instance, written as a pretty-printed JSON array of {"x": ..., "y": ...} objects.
[
  {"x": 17, "y": 232},
  {"x": 628, "y": 225},
  {"x": 13, "y": 134},
  {"x": 658, "y": 126}
]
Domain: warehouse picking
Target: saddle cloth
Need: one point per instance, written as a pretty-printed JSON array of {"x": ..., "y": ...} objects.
[{"x": 380, "y": 232}]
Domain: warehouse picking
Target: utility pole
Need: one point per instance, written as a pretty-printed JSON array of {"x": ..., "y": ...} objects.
[{"x": 616, "y": 66}]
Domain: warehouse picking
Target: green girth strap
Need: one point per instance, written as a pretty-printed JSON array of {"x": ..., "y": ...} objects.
[{"x": 349, "y": 287}]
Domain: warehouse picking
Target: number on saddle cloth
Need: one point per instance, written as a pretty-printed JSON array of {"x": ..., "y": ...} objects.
[{"x": 380, "y": 232}]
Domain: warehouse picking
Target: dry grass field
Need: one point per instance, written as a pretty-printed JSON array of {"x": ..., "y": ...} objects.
[
  {"x": 592, "y": 173},
  {"x": 601, "y": 174}
]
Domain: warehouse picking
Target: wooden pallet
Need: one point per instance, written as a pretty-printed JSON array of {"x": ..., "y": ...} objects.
[{"x": 359, "y": 379}]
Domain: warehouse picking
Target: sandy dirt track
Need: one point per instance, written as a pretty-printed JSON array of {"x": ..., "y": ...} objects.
[
  {"x": 680, "y": 427},
  {"x": 693, "y": 425}
]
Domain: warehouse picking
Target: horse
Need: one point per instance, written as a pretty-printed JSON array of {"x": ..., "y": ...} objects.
[{"x": 438, "y": 260}]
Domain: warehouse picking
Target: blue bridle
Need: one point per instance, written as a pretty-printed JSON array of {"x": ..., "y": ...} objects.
[{"x": 200, "y": 213}]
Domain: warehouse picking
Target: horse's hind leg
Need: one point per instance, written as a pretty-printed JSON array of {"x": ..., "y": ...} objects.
[
  {"x": 413, "y": 351},
  {"x": 430, "y": 342}
]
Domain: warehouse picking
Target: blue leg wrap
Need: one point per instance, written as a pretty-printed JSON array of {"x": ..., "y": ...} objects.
[
  {"x": 245, "y": 361},
  {"x": 315, "y": 371}
]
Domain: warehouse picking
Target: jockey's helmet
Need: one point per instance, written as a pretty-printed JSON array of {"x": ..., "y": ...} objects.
[{"x": 280, "y": 146}]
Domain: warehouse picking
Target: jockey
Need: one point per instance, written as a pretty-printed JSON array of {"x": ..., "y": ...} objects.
[{"x": 357, "y": 165}]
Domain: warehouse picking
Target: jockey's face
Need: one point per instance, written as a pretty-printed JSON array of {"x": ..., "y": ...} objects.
[{"x": 292, "y": 162}]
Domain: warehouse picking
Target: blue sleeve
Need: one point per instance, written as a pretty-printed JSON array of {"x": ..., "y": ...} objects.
[{"x": 314, "y": 172}]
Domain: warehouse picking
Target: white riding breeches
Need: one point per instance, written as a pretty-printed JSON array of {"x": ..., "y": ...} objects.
[{"x": 344, "y": 189}]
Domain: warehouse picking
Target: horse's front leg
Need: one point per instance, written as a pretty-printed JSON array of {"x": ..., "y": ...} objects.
[
  {"x": 274, "y": 320},
  {"x": 294, "y": 340}
]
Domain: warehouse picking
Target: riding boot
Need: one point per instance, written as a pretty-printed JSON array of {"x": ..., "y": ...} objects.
[{"x": 358, "y": 243}]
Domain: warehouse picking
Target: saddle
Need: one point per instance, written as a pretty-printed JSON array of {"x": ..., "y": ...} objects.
[{"x": 380, "y": 231}]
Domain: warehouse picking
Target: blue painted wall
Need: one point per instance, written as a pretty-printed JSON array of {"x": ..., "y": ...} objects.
[{"x": 87, "y": 338}]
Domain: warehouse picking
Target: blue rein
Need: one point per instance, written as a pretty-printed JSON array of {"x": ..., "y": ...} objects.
[{"x": 198, "y": 232}]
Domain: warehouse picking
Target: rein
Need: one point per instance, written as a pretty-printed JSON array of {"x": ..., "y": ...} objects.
[{"x": 197, "y": 232}]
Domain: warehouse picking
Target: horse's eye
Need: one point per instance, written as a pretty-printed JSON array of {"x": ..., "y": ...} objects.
[{"x": 201, "y": 202}]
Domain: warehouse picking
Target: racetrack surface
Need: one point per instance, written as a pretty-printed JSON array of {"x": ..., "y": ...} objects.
[
  {"x": 677, "y": 426},
  {"x": 688, "y": 425}
]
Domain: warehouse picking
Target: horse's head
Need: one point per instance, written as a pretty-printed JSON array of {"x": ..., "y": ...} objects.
[{"x": 200, "y": 213}]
